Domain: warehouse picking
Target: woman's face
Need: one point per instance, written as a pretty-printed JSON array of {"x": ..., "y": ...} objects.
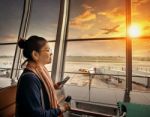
[{"x": 45, "y": 55}]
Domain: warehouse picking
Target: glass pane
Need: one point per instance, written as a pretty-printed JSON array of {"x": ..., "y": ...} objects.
[
  {"x": 97, "y": 19},
  {"x": 6, "y": 59},
  {"x": 44, "y": 18},
  {"x": 141, "y": 16},
  {"x": 10, "y": 19},
  {"x": 98, "y": 65},
  {"x": 141, "y": 64},
  {"x": 78, "y": 83}
]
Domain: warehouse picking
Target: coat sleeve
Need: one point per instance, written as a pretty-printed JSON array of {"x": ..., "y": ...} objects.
[{"x": 29, "y": 98}]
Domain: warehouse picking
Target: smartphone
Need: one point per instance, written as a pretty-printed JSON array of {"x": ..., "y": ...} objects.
[{"x": 65, "y": 80}]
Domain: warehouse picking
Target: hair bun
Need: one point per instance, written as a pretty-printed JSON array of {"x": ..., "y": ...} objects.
[{"x": 22, "y": 43}]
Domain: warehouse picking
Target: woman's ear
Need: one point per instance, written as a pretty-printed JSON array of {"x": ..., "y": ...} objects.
[{"x": 35, "y": 56}]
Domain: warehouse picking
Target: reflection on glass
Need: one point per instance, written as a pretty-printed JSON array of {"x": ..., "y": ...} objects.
[
  {"x": 10, "y": 19},
  {"x": 6, "y": 59},
  {"x": 44, "y": 18},
  {"x": 141, "y": 64},
  {"x": 97, "y": 19}
]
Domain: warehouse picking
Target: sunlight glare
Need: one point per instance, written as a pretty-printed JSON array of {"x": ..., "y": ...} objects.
[{"x": 134, "y": 30}]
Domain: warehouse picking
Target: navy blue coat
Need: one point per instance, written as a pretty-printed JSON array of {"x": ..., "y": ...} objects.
[{"x": 28, "y": 97}]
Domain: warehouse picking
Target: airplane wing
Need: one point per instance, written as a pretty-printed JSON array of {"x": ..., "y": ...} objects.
[
  {"x": 107, "y": 32},
  {"x": 105, "y": 29},
  {"x": 115, "y": 27}
]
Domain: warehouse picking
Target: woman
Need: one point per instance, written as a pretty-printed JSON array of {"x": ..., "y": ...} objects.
[{"x": 36, "y": 95}]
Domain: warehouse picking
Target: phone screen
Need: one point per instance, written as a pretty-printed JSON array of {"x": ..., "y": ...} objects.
[{"x": 65, "y": 80}]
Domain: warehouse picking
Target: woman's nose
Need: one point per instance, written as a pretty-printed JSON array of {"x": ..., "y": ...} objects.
[{"x": 51, "y": 54}]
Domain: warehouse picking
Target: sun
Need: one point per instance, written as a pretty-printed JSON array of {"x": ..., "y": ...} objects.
[{"x": 134, "y": 30}]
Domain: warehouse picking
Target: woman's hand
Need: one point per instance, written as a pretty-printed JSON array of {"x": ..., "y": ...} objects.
[
  {"x": 65, "y": 107},
  {"x": 58, "y": 85}
]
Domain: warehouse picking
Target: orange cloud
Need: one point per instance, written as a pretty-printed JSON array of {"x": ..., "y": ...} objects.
[
  {"x": 144, "y": 25},
  {"x": 84, "y": 17},
  {"x": 83, "y": 21},
  {"x": 139, "y": 2},
  {"x": 139, "y": 7},
  {"x": 92, "y": 20},
  {"x": 80, "y": 26},
  {"x": 114, "y": 15},
  {"x": 85, "y": 6}
]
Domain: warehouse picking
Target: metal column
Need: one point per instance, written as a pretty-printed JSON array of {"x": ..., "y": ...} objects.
[{"x": 128, "y": 53}]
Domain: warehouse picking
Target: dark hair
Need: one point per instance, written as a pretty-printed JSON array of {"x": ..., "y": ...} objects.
[{"x": 32, "y": 43}]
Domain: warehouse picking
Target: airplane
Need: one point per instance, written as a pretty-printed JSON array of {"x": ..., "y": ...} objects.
[
  {"x": 90, "y": 71},
  {"x": 83, "y": 70},
  {"x": 110, "y": 30}
]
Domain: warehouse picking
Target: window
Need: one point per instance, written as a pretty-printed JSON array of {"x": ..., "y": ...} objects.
[
  {"x": 99, "y": 65},
  {"x": 6, "y": 60},
  {"x": 140, "y": 47},
  {"x": 102, "y": 26},
  {"x": 44, "y": 18},
  {"x": 10, "y": 19},
  {"x": 141, "y": 66},
  {"x": 97, "y": 19}
]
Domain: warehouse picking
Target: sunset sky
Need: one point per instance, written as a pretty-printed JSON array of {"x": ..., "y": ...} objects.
[
  {"x": 90, "y": 16},
  {"x": 88, "y": 19}
]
